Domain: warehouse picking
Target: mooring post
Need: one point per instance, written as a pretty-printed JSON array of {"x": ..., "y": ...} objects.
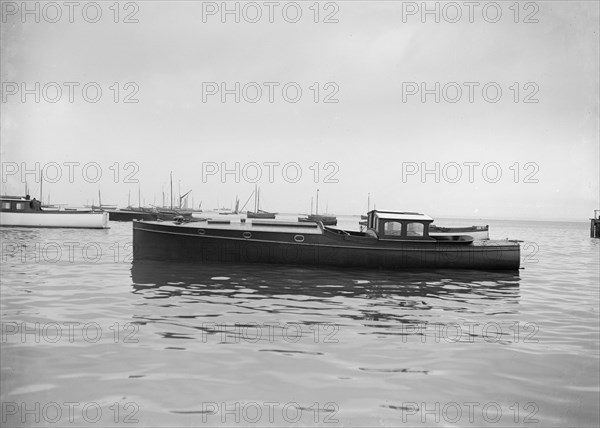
[{"x": 595, "y": 225}]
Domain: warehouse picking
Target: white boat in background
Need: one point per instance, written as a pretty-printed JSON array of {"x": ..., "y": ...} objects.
[
  {"x": 477, "y": 232},
  {"x": 16, "y": 211}
]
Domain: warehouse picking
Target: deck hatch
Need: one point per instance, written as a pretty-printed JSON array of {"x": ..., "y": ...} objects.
[{"x": 284, "y": 224}]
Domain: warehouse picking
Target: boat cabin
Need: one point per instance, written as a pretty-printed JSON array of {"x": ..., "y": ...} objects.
[
  {"x": 19, "y": 204},
  {"x": 398, "y": 225}
]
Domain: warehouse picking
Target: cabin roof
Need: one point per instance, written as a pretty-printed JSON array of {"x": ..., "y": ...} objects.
[
  {"x": 12, "y": 198},
  {"x": 397, "y": 215}
]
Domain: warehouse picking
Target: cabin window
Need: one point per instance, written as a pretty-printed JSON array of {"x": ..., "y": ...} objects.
[
  {"x": 392, "y": 228},
  {"x": 5, "y": 205},
  {"x": 20, "y": 206},
  {"x": 414, "y": 229}
]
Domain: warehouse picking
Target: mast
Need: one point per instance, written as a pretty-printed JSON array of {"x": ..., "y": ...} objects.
[
  {"x": 41, "y": 184},
  {"x": 311, "y": 204},
  {"x": 171, "y": 189},
  {"x": 139, "y": 197},
  {"x": 369, "y": 202},
  {"x": 129, "y": 199},
  {"x": 99, "y": 199},
  {"x": 317, "y": 210},
  {"x": 255, "y": 198}
]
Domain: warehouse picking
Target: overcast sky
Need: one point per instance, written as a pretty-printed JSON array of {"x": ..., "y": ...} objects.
[{"x": 541, "y": 132}]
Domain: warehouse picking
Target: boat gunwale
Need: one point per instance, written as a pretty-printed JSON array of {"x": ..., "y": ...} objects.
[{"x": 440, "y": 245}]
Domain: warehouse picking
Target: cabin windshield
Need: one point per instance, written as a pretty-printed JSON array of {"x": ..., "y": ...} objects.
[
  {"x": 392, "y": 228},
  {"x": 414, "y": 229}
]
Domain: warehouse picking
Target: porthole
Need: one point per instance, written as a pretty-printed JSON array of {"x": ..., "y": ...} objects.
[
  {"x": 247, "y": 235},
  {"x": 201, "y": 231},
  {"x": 299, "y": 238}
]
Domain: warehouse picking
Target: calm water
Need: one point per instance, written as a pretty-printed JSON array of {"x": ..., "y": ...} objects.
[{"x": 92, "y": 339}]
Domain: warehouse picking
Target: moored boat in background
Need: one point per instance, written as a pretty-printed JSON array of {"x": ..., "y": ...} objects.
[
  {"x": 477, "y": 232},
  {"x": 257, "y": 213},
  {"x": 260, "y": 214},
  {"x": 326, "y": 219},
  {"x": 17, "y": 211},
  {"x": 166, "y": 214},
  {"x": 131, "y": 213}
]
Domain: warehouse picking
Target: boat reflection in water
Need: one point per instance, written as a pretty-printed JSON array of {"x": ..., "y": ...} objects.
[
  {"x": 262, "y": 292},
  {"x": 268, "y": 279}
]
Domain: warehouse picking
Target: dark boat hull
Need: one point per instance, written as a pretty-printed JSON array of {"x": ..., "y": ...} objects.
[
  {"x": 251, "y": 214},
  {"x": 167, "y": 215},
  {"x": 130, "y": 215},
  {"x": 326, "y": 220},
  {"x": 155, "y": 241}
]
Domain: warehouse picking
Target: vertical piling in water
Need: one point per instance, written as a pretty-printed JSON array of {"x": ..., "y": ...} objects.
[{"x": 595, "y": 225}]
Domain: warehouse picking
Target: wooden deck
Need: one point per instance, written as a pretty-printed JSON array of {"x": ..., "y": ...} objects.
[{"x": 252, "y": 226}]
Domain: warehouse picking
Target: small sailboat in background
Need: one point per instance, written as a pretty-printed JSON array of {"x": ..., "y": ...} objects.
[
  {"x": 228, "y": 211},
  {"x": 167, "y": 214},
  {"x": 326, "y": 219},
  {"x": 100, "y": 206},
  {"x": 258, "y": 213}
]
